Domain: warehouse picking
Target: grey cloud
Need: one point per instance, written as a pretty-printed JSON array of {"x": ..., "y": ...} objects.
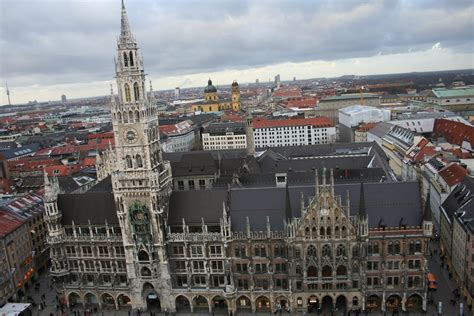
[{"x": 49, "y": 42}]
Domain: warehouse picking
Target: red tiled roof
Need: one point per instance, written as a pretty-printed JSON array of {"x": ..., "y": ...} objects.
[
  {"x": 287, "y": 93},
  {"x": 88, "y": 162},
  {"x": 454, "y": 132},
  {"x": 453, "y": 174},
  {"x": 168, "y": 129},
  {"x": 8, "y": 223},
  {"x": 302, "y": 103},
  {"x": 231, "y": 118},
  {"x": 364, "y": 127},
  {"x": 319, "y": 122},
  {"x": 107, "y": 135},
  {"x": 63, "y": 170},
  {"x": 29, "y": 165}
]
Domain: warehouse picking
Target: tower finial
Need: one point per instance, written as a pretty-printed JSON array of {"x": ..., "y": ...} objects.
[{"x": 125, "y": 33}]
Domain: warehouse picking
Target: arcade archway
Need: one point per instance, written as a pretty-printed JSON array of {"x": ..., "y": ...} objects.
[
  {"x": 74, "y": 299},
  {"x": 90, "y": 300},
  {"x": 182, "y": 304},
  {"x": 107, "y": 301},
  {"x": 373, "y": 303},
  {"x": 219, "y": 305},
  {"x": 200, "y": 304},
  {"x": 414, "y": 303},
  {"x": 327, "y": 305},
  {"x": 341, "y": 305},
  {"x": 243, "y": 303},
  {"x": 124, "y": 301},
  {"x": 394, "y": 303},
  {"x": 263, "y": 303},
  {"x": 313, "y": 304}
]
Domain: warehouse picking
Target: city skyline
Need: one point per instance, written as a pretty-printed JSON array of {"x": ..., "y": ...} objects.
[{"x": 233, "y": 41}]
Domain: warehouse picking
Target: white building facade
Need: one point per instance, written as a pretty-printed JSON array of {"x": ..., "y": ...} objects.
[
  {"x": 224, "y": 136},
  {"x": 293, "y": 132}
]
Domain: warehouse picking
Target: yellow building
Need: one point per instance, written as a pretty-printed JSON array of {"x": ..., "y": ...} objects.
[{"x": 212, "y": 103}]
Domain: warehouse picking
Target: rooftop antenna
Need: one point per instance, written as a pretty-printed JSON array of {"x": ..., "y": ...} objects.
[{"x": 8, "y": 94}]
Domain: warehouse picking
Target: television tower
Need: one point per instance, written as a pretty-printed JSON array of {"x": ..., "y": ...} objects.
[{"x": 8, "y": 94}]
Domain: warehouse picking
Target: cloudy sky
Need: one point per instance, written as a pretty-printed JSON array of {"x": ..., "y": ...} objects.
[{"x": 54, "y": 47}]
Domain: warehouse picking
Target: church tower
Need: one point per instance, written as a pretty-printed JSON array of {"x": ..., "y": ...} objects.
[
  {"x": 249, "y": 133},
  {"x": 141, "y": 179},
  {"x": 235, "y": 97}
]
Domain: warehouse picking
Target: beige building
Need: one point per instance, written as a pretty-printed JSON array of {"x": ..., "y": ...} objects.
[{"x": 16, "y": 250}]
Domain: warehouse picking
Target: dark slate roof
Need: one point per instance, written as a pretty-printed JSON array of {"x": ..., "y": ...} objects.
[
  {"x": 461, "y": 198},
  {"x": 257, "y": 204},
  {"x": 96, "y": 207},
  {"x": 390, "y": 203},
  {"x": 26, "y": 150},
  {"x": 194, "y": 164},
  {"x": 223, "y": 128},
  {"x": 381, "y": 129},
  {"x": 194, "y": 206}
]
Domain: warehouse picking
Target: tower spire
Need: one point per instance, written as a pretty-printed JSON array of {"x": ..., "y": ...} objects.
[
  {"x": 125, "y": 33},
  {"x": 8, "y": 94}
]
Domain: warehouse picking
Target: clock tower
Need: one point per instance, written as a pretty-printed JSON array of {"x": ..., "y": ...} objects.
[{"x": 141, "y": 179}]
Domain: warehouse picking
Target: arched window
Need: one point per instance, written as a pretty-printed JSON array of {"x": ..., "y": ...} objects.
[
  {"x": 125, "y": 59},
  {"x": 327, "y": 272},
  {"x": 128, "y": 160},
  {"x": 139, "y": 162},
  {"x": 312, "y": 272},
  {"x": 143, "y": 256},
  {"x": 137, "y": 116},
  {"x": 336, "y": 232},
  {"x": 341, "y": 250},
  {"x": 145, "y": 272},
  {"x": 341, "y": 270},
  {"x": 125, "y": 117},
  {"x": 326, "y": 251},
  {"x": 136, "y": 91},
  {"x": 397, "y": 247},
  {"x": 355, "y": 268},
  {"x": 298, "y": 270},
  {"x": 328, "y": 232},
  {"x": 355, "y": 251},
  {"x": 131, "y": 59},
  {"x": 312, "y": 252},
  {"x": 344, "y": 231},
  {"x": 119, "y": 117},
  {"x": 128, "y": 98},
  {"x": 306, "y": 231},
  {"x": 321, "y": 232}
]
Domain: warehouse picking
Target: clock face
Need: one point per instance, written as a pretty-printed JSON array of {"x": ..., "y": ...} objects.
[{"x": 130, "y": 135}]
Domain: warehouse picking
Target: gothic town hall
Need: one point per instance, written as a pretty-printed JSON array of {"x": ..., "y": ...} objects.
[{"x": 290, "y": 229}]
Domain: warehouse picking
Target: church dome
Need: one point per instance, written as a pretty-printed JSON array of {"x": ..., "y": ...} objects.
[{"x": 210, "y": 88}]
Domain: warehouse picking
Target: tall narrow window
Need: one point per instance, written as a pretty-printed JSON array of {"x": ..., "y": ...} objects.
[
  {"x": 125, "y": 59},
  {"x": 139, "y": 161},
  {"x": 136, "y": 92},
  {"x": 119, "y": 117},
  {"x": 130, "y": 116},
  {"x": 137, "y": 116},
  {"x": 129, "y": 161},
  {"x": 131, "y": 59},
  {"x": 127, "y": 93}
]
